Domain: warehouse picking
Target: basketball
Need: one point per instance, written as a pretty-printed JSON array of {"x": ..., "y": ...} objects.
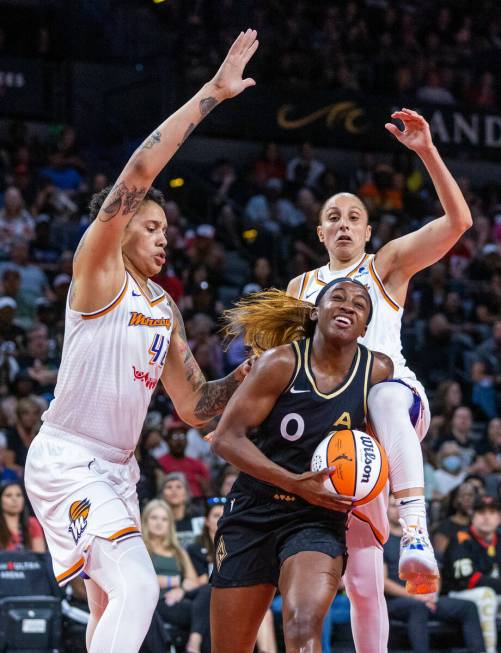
[{"x": 360, "y": 462}]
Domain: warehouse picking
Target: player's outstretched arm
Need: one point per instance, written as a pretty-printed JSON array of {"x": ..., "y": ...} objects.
[
  {"x": 98, "y": 257},
  {"x": 400, "y": 259}
]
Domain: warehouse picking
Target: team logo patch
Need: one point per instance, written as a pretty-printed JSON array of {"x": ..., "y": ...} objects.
[
  {"x": 221, "y": 553},
  {"x": 78, "y": 513},
  {"x": 138, "y": 319},
  {"x": 145, "y": 377}
]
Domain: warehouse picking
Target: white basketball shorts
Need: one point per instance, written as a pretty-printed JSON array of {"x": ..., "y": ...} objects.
[{"x": 80, "y": 489}]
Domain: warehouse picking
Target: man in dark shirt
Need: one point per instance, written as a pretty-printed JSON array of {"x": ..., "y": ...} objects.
[
  {"x": 417, "y": 609},
  {"x": 473, "y": 559}
]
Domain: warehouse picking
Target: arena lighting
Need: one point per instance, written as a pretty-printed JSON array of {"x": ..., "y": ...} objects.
[
  {"x": 176, "y": 183},
  {"x": 158, "y": 2}
]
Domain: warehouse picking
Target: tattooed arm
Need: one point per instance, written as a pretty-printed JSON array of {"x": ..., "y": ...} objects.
[
  {"x": 98, "y": 265},
  {"x": 196, "y": 400}
]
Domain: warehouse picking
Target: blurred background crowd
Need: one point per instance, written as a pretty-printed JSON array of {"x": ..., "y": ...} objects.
[{"x": 251, "y": 225}]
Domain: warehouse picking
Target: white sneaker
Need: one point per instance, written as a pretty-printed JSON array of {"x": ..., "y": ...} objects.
[{"x": 417, "y": 565}]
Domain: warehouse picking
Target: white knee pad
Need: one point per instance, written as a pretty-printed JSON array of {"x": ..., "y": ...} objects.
[
  {"x": 389, "y": 405},
  {"x": 125, "y": 573}
]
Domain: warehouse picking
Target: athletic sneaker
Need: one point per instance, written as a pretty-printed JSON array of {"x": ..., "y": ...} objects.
[{"x": 417, "y": 565}]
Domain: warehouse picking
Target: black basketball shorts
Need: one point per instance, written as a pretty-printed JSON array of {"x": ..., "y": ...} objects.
[{"x": 260, "y": 530}]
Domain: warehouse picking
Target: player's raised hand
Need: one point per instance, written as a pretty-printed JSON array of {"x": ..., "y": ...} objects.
[
  {"x": 311, "y": 487},
  {"x": 416, "y": 133},
  {"x": 229, "y": 79}
]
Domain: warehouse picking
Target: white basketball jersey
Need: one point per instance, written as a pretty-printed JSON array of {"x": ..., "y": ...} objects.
[
  {"x": 383, "y": 332},
  {"x": 112, "y": 361}
]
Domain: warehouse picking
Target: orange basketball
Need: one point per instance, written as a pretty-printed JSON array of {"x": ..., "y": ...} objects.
[{"x": 360, "y": 462}]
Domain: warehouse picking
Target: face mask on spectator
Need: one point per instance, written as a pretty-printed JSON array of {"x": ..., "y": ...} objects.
[{"x": 452, "y": 463}]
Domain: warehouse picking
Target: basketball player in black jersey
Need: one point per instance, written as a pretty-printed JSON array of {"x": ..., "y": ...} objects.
[{"x": 281, "y": 527}]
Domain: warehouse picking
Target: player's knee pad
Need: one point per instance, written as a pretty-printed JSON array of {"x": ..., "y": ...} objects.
[
  {"x": 394, "y": 397},
  {"x": 125, "y": 572}
]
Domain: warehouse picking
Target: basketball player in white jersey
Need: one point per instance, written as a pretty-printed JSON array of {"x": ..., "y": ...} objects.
[
  {"x": 123, "y": 335},
  {"x": 398, "y": 410}
]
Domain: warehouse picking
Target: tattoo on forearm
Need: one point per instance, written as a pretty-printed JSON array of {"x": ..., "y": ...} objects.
[
  {"x": 214, "y": 397},
  {"x": 122, "y": 199},
  {"x": 187, "y": 133},
  {"x": 206, "y": 105},
  {"x": 192, "y": 371},
  {"x": 152, "y": 140}
]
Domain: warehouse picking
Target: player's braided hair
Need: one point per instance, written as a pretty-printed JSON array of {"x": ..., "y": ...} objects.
[{"x": 268, "y": 319}]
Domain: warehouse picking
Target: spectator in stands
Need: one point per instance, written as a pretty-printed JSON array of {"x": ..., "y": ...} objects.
[
  {"x": 444, "y": 352},
  {"x": 451, "y": 470},
  {"x": 176, "y": 493},
  {"x": 461, "y": 432},
  {"x": 417, "y": 609},
  {"x": 304, "y": 169},
  {"x": 434, "y": 91},
  {"x": 151, "y": 474},
  {"x": 34, "y": 283},
  {"x": 18, "y": 531},
  {"x": 269, "y": 165},
  {"x": 228, "y": 477},
  {"x": 472, "y": 562},
  {"x": 20, "y": 436},
  {"x": 173, "y": 567},
  {"x": 492, "y": 451},
  {"x": 9, "y": 330},
  {"x": 446, "y": 399},
  {"x": 458, "y": 518},
  {"x": 272, "y": 211},
  {"x": 15, "y": 220},
  {"x": 7, "y": 473},
  {"x": 196, "y": 472},
  {"x": 39, "y": 361}
]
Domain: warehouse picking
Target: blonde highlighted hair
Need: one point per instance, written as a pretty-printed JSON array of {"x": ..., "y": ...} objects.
[
  {"x": 170, "y": 542},
  {"x": 268, "y": 319}
]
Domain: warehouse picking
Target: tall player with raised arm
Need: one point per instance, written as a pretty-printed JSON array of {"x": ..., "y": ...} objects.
[
  {"x": 123, "y": 335},
  {"x": 398, "y": 410}
]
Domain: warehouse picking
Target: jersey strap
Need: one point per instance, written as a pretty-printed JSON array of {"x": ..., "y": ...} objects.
[
  {"x": 113, "y": 304},
  {"x": 379, "y": 284}
]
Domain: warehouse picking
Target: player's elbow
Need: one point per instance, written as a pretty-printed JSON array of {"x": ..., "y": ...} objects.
[
  {"x": 465, "y": 221},
  {"x": 222, "y": 444},
  {"x": 139, "y": 169}
]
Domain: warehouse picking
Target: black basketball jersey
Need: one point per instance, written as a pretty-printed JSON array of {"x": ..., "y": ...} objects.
[{"x": 303, "y": 416}]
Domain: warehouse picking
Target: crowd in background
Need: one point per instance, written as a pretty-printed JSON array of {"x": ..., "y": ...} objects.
[
  {"x": 441, "y": 52},
  {"x": 249, "y": 228}
]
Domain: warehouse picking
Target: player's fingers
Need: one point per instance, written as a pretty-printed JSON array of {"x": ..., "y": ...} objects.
[
  {"x": 250, "y": 52},
  {"x": 245, "y": 84},
  {"x": 235, "y": 48},
  {"x": 209, "y": 437},
  {"x": 393, "y": 129},
  {"x": 249, "y": 38}
]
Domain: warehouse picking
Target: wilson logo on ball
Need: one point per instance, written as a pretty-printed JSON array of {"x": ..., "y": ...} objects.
[{"x": 361, "y": 467}]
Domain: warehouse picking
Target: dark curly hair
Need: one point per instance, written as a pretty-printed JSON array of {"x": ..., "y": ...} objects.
[
  {"x": 23, "y": 520},
  {"x": 97, "y": 200}
]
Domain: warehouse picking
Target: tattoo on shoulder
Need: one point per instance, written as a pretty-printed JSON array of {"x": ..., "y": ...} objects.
[
  {"x": 206, "y": 105},
  {"x": 214, "y": 397},
  {"x": 152, "y": 140},
  {"x": 187, "y": 133},
  {"x": 122, "y": 199}
]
